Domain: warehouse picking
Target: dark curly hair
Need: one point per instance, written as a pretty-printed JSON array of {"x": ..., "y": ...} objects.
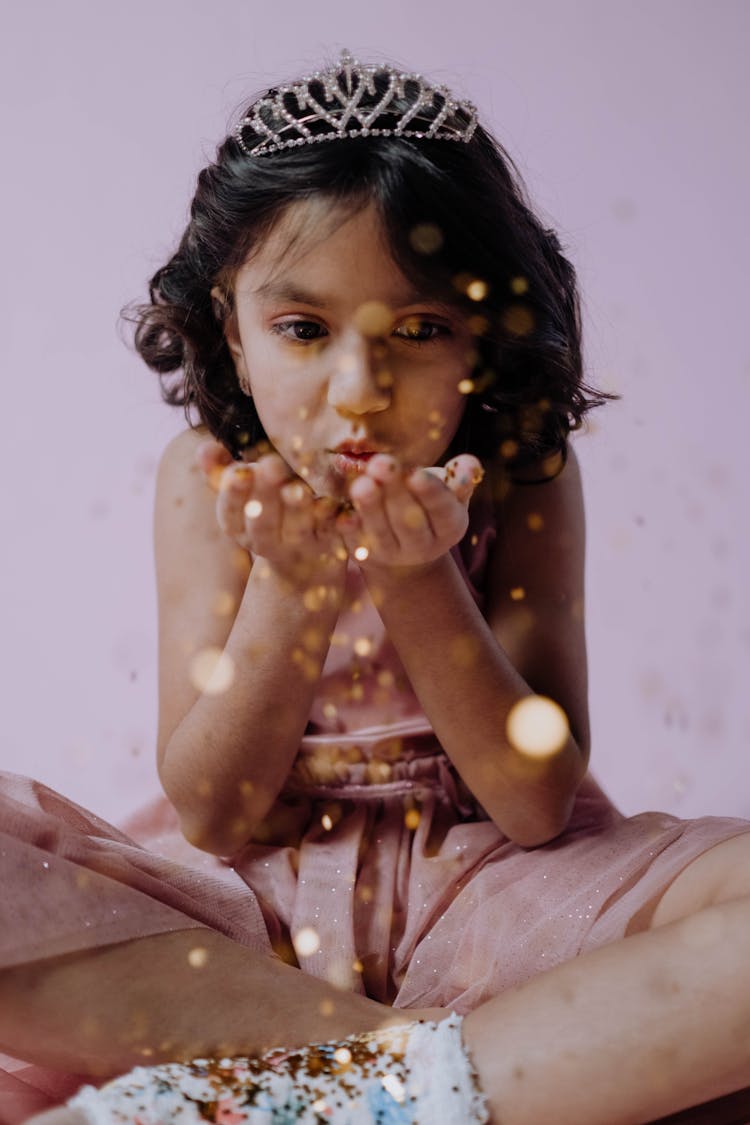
[{"x": 460, "y": 227}]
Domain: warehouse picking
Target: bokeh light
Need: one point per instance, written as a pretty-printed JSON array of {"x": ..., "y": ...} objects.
[{"x": 537, "y": 726}]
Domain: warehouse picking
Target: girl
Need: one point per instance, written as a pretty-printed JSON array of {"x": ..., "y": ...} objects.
[{"x": 373, "y": 733}]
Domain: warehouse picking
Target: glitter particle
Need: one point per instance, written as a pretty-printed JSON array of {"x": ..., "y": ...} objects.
[
  {"x": 518, "y": 593},
  {"x": 363, "y": 646},
  {"x": 306, "y": 942},
  {"x": 361, "y": 553},
  {"x": 534, "y": 521},
  {"x": 253, "y": 509},
  {"x": 212, "y": 670},
  {"x": 373, "y": 318},
  {"x": 426, "y": 238},
  {"x": 466, "y": 386},
  {"x": 537, "y": 726},
  {"x": 412, "y": 818},
  {"x": 477, "y": 290},
  {"x": 197, "y": 957},
  {"x": 327, "y": 822}
]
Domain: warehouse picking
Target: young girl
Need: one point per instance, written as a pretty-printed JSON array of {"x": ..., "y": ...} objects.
[{"x": 373, "y": 732}]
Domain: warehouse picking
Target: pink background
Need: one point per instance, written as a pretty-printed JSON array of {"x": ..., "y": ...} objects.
[{"x": 629, "y": 122}]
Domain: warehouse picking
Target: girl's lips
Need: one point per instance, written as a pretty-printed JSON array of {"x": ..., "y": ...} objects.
[{"x": 346, "y": 461}]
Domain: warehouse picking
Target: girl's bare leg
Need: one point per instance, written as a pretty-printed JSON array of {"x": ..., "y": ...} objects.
[
  {"x": 171, "y": 997},
  {"x": 638, "y": 1029}
]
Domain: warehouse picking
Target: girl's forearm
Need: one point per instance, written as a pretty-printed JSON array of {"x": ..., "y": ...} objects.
[
  {"x": 467, "y": 686},
  {"x": 229, "y": 757}
]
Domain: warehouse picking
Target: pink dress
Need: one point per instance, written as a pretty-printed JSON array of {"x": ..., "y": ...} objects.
[{"x": 375, "y": 845}]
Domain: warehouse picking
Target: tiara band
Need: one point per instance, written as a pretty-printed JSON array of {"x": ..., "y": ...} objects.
[{"x": 430, "y": 112}]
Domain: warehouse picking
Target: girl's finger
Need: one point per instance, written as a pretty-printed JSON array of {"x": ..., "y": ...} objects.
[
  {"x": 211, "y": 457},
  {"x": 462, "y": 475},
  {"x": 264, "y": 518},
  {"x": 235, "y": 491},
  {"x": 369, "y": 498},
  {"x": 297, "y": 523}
]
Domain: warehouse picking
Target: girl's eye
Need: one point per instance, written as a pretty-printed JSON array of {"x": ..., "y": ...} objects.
[
  {"x": 421, "y": 331},
  {"x": 299, "y": 331}
]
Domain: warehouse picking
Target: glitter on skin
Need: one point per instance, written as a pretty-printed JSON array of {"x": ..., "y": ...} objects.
[
  {"x": 224, "y": 603},
  {"x": 537, "y": 726},
  {"x": 212, "y": 671},
  {"x": 197, "y": 957},
  {"x": 306, "y": 942},
  {"x": 373, "y": 318}
]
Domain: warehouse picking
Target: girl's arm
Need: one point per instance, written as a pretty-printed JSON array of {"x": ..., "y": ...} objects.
[
  {"x": 226, "y": 742},
  {"x": 468, "y": 672}
]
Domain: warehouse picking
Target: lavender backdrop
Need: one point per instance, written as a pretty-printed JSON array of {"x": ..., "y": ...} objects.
[{"x": 629, "y": 123}]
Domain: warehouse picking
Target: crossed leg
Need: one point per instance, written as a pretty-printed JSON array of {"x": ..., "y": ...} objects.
[{"x": 630, "y": 1032}]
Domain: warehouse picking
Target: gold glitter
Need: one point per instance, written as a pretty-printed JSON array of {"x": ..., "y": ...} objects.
[
  {"x": 474, "y": 540},
  {"x": 412, "y": 818},
  {"x": 373, "y": 318},
  {"x": 357, "y": 966},
  {"x": 436, "y": 416},
  {"x": 363, "y": 646},
  {"x": 303, "y": 412},
  {"x": 83, "y": 878},
  {"x": 320, "y": 1106},
  {"x": 343, "y": 1056},
  {"x": 386, "y": 678},
  {"x": 297, "y": 443},
  {"x": 241, "y": 562},
  {"x": 534, "y": 521},
  {"x": 537, "y": 726},
  {"x": 330, "y": 710},
  {"x": 463, "y": 650},
  {"x": 198, "y": 956},
  {"x": 306, "y": 942},
  {"x": 312, "y": 639},
  {"x": 414, "y": 517},
  {"x": 246, "y": 788},
  {"x": 327, "y": 1007},
  {"x": 356, "y": 606},
  {"x": 304, "y": 471},
  {"x": 365, "y": 893},
  {"x": 518, "y": 319},
  {"x": 253, "y": 509},
  {"x": 357, "y": 692},
  {"x": 224, "y": 603},
  {"x": 204, "y": 787},
  {"x": 212, "y": 671},
  {"x": 327, "y": 822},
  {"x": 477, "y": 290},
  {"x": 378, "y": 772},
  {"x": 509, "y": 449},
  {"x": 426, "y": 238},
  {"x": 518, "y": 593},
  {"x": 477, "y": 324},
  {"x": 519, "y": 285},
  {"x": 433, "y": 434},
  {"x": 384, "y": 378},
  {"x": 361, "y": 553},
  {"x": 466, "y": 386}
]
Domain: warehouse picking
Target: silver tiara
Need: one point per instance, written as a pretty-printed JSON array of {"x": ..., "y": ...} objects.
[{"x": 333, "y": 99}]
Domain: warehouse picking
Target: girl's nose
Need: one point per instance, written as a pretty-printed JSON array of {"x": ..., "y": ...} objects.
[{"x": 359, "y": 382}]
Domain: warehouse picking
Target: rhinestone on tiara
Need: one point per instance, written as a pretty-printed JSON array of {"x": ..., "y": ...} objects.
[{"x": 346, "y": 100}]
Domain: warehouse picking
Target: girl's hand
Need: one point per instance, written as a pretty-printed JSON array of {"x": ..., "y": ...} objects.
[
  {"x": 408, "y": 519},
  {"x": 273, "y": 514}
]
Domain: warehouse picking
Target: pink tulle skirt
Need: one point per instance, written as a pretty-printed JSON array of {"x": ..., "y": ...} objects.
[{"x": 413, "y": 895}]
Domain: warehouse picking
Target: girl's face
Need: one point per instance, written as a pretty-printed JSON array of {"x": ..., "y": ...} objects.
[{"x": 340, "y": 353}]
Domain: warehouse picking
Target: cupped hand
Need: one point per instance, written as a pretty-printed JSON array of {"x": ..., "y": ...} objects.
[
  {"x": 408, "y": 518},
  {"x": 272, "y": 513}
]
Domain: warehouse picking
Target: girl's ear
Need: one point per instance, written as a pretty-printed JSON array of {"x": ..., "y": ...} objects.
[{"x": 225, "y": 314}]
